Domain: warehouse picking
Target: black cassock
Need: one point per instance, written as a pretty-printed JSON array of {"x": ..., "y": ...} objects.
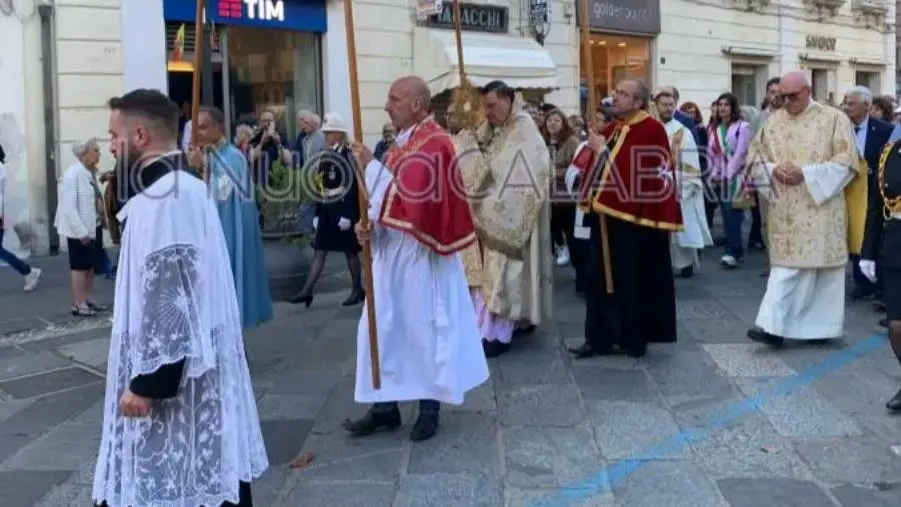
[
  {"x": 642, "y": 308},
  {"x": 338, "y": 200}
]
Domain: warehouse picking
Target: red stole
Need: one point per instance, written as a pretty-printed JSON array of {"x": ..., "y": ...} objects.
[
  {"x": 632, "y": 187},
  {"x": 427, "y": 198}
]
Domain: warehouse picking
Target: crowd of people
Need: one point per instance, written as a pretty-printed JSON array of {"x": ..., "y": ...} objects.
[{"x": 626, "y": 197}]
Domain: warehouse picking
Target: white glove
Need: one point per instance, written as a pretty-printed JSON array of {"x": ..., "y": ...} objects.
[
  {"x": 868, "y": 268},
  {"x": 344, "y": 224},
  {"x": 315, "y": 222}
]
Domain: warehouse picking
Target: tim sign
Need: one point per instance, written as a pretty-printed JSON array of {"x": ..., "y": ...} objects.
[{"x": 264, "y": 10}]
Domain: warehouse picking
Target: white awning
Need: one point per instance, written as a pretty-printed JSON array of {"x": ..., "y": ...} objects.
[{"x": 519, "y": 61}]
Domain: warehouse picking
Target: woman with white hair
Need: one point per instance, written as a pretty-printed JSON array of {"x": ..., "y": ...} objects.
[
  {"x": 32, "y": 275},
  {"x": 337, "y": 210},
  {"x": 79, "y": 219}
]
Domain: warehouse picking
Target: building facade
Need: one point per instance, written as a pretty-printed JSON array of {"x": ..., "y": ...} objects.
[
  {"x": 60, "y": 62},
  {"x": 291, "y": 55},
  {"x": 706, "y": 47}
]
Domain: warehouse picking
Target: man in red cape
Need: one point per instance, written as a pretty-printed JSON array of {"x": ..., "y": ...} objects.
[
  {"x": 429, "y": 343},
  {"x": 628, "y": 186}
]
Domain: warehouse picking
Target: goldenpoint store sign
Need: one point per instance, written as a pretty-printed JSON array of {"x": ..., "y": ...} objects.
[{"x": 297, "y": 15}]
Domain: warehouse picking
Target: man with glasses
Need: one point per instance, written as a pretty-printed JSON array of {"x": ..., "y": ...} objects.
[
  {"x": 801, "y": 161},
  {"x": 634, "y": 301}
]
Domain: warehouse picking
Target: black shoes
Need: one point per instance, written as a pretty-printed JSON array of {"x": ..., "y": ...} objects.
[
  {"x": 687, "y": 272},
  {"x": 388, "y": 419},
  {"x": 356, "y": 297},
  {"x": 761, "y": 336},
  {"x": 426, "y": 426},
  {"x": 894, "y": 404},
  {"x": 494, "y": 348},
  {"x": 375, "y": 419},
  {"x": 306, "y": 299}
]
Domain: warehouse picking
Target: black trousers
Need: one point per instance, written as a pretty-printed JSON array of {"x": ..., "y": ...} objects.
[
  {"x": 563, "y": 219},
  {"x": 244, "y": 498},
  {"x": 756, "y": 233}
]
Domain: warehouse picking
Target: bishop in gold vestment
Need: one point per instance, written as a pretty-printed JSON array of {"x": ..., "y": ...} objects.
[
  {"x": 801, "y": 161},
  {"x": 506, "y": 169}
]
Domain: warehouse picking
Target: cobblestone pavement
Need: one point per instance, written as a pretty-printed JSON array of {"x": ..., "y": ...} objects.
[{"x": 711, "y": 421}]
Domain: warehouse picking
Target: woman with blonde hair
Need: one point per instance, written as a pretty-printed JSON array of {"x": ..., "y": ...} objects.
[{"x": 337, "y": 210}]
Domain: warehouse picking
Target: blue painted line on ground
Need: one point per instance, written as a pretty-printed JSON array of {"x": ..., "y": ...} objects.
[{"x": 601, "y": 482}]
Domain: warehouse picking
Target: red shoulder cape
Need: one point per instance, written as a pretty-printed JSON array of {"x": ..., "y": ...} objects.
[
  {"x": 637, "y": 182},
  {"x": 427, "y": 198}
]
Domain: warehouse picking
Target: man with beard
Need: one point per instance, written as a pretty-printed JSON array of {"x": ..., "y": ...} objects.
[
  {"x": 180, "y": 423},
  {"x": 634, "y": 212},
  {"x": 510, "y": 171},
  {"x": 695, "y": 235}
]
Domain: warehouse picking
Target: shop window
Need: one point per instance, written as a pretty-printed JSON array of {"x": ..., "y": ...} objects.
[
  {"x": 615, "y": 58},
  {"x": 746, "y": 83},
  {"x": 869, "y": 79},
  {"x": 278, "y": 70}
]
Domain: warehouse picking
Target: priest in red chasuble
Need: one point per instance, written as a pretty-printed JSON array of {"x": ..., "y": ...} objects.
[
  {"x": 429, "y": 344},
  {"x": 627, "y": 181}
]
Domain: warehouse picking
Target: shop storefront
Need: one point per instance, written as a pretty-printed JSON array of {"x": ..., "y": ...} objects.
[
  {"x": 622, "y": 35},
  {"x": 266, "y": 54},
  {"x": 490, "y": 52}
]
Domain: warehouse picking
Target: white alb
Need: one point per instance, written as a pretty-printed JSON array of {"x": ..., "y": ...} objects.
[{"x": 175, "y": 299}]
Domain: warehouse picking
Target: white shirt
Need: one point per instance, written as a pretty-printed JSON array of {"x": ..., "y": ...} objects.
[{"x": 861, "y": 135}]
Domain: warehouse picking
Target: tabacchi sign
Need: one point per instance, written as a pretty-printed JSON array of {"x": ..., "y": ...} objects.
[{"x": 264, "y": 10}]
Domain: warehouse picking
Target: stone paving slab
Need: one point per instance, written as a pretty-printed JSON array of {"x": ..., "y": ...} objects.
[{"x": 703, "y": 422}]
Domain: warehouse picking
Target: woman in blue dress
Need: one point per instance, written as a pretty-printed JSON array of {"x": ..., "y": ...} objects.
[
  {"x": 337, "y": 210},
  {"x": 230, "y": 185}
]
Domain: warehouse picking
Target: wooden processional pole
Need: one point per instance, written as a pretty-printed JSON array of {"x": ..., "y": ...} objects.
[
  {"x": 361, "y": 195},
  {"x": 199, "y": 14},
  {"x": 592, "y": 108},
  {"x": 458, "y": 35}
]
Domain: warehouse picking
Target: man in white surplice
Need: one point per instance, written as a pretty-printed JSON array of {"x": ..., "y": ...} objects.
[
  {"x": 180, "y": 424},
  {"x": 801, "y": 161},
  {"x": 430, "y": 348},
  {"x": 696, "y": 235}
]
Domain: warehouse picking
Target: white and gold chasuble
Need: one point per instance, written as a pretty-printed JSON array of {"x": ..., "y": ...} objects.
[
  {"x": 808, "y": 223},
  {"x": 507, "y": 172}
]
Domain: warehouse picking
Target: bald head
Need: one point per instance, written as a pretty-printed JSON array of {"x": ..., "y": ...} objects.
[
  {"x": 794, "y": 88},
  {"x": 796, "y": 78},
  {"x": 409, "y": 101}
]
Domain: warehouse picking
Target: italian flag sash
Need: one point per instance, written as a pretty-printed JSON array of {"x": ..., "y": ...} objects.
[{"x": 736, "y": 182}]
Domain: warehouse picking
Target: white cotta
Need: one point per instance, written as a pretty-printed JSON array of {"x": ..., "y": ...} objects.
[
  {"x": 429, "y": 343},
  {"x": 175, "y": 300},
  {"x": 695, "y": 233}
]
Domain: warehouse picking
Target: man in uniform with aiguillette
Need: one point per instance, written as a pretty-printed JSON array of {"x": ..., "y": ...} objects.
[
  {"x": 882, "y": 242},
  {"x": 804, "y": 161},
  {"x": 506, "y": 167}
]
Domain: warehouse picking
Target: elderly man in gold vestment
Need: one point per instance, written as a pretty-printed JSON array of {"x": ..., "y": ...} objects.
[
  {"x": 801, "y": 161},
  {"x": 506, "y": 170}
]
